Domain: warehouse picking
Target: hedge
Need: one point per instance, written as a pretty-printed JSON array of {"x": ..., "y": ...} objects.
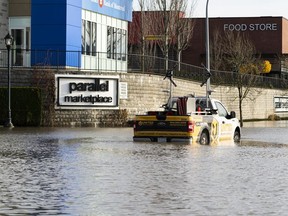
[{"x": 26, "y": 106}]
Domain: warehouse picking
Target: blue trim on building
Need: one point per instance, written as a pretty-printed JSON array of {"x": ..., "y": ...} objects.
[{"x": 55, "y": 25}]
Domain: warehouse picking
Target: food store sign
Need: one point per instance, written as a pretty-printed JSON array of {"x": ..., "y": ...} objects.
[
  {"x": 251, "y": 27},
  {"x": 87, "y": 91}
]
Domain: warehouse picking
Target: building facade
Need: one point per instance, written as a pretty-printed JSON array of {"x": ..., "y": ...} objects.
[
  {"x": 3, "y": 21},
  {"x": 85, "y": 41},
  {"x": 269, "y": 35},
  {"x": 70, "y": 33}
]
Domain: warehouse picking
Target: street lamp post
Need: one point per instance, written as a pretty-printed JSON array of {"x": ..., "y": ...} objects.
[
  {"x": 8, "y": 41},
  {"x": 208, "y": 90}
]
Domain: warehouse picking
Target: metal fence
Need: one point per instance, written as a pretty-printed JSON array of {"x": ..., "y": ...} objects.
[{"x": 119, "y": 62}]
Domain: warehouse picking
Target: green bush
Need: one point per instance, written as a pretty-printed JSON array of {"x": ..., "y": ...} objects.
[{"x": 26, "y": 106}]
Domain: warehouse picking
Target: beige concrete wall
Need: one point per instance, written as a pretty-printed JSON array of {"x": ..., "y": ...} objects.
[{"x": 146, "y": 92}]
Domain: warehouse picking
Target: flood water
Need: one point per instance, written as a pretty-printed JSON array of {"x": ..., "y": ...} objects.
[{"x": 94, "y": 171}]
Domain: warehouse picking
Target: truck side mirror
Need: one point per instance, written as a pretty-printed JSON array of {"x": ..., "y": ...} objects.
[{"x": 232, "y": 114}]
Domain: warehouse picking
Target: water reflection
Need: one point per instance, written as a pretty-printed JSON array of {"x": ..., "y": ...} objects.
[
  {"x": 92, "y": 171},
  {"x": 266, "y": 131}
]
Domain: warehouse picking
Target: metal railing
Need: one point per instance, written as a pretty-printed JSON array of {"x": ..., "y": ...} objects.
[{"x": 136, "y": 63}]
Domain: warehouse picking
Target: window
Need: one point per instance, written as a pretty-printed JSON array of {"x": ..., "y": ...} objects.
[
  {"x": 124, "y": 45},
  {"x": 27, "y": 38},
  {"x": 119, "y": 43},
  {"x": 83, "y": 36},
  {"x": 109, "y": 42},
  {"x": 116, "y": 43},
  {"x": 89, "y": 37},
  {"x": 19, "y": 44},
  {"x": 94, "y": 31},
  {"x": 221, "y": 109}
]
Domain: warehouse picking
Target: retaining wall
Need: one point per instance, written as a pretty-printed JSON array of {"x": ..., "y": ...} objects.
[{"x": 149, "y": 92}]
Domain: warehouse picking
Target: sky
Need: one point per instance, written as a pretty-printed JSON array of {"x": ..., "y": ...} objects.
[{"x": 238, "y": 8}]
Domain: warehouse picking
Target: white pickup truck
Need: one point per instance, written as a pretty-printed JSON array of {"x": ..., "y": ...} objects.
[{"x": 189, "y": 118}]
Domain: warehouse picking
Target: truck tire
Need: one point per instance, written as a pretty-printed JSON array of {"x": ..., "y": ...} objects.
[
  {"x": 236, "y": 136},
  {"x": 204, "y": 138}
]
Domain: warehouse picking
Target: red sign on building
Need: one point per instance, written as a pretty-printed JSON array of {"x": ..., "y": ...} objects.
[{"x": 101, "y": 2}]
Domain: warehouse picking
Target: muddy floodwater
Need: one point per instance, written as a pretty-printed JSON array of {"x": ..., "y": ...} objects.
[{"x": 96, "y": 171}]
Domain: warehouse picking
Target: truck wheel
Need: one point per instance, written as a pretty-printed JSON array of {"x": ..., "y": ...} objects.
[
  {"x": 204, "y": 138},
  {"x": 236, "y": 136}
]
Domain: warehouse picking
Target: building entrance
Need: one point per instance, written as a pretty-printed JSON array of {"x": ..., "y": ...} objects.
[
  {"x": 21, "y": 32},
  {"x": 21, "y": 47}
]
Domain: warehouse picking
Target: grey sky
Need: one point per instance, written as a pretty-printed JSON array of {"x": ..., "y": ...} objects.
[{"x": 238, "y": 8}]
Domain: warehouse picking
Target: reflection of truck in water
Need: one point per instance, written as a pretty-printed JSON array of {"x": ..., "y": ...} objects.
[{"x": 188, "y": 117}]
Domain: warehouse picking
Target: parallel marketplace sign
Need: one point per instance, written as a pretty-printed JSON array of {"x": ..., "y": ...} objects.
[{"x": 76, "y": 91}]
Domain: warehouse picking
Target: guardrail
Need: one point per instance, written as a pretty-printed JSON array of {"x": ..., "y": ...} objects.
[{"x": 119, "y": 62}]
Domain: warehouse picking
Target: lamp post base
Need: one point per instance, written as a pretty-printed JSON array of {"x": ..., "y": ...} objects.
[{"x": 9, "y": 124}]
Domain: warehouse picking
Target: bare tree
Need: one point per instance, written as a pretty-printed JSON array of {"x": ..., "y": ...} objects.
[
  {"x": 181, "y": 28},
  {"x": 235, "y": 52},
  {"x": 138, "y": 42},
  {"x": 172, "y": 25},
  {"x": 163, "y": 23},
  {"x": 216, "y": 53}
]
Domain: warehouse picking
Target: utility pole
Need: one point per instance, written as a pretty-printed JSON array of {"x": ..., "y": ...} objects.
[{"x": 208, "y": 90}]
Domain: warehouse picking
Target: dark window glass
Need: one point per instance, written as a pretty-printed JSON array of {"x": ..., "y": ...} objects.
[
  {"x": 109, "y": 41},
  {"x": 94, "y": 38},
  {"x": 83, "y": 36},
  {"x": 88, "y": 38}
]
